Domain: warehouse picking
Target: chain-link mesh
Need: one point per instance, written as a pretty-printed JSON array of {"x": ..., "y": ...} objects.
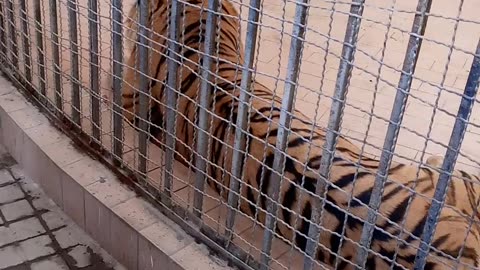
[{"x": 295, "y": 134}]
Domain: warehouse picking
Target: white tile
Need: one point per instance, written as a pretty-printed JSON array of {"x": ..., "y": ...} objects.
[
  {"x": 3, "y": 150},
  {"x": 10, "y": 193},
  {"x": 151, "y": 258},
  {"x": 73, "y": 200},
  {"x": 6, "y": 86},
  {"x": 17, "y": 171},
  {"x": 51, "y": 181},
  {"x": 110, "y": 191},
  {"x": 137, "y": 212},
  {"x": 10, "y": 256},
  {"x": 28, "y": 117},
  {"x": 63, "y": 152},
  {"x": 51, "y": 263},
  {"x": 30, "y": 187},
  {"x": 87, "y": 171},
  {"x": 196, "y": 256},
  {"x": 55, "y": 219},
  {"x": 43, "y": 203},
  {"x": 119, "y": 267},
  {"x": 36, "y": 247},
  {"x": 26, "y": 228},
  {"x": 6, "y": 236},
  {"x": 124, "y": 243},
  {"x": 16, "y": 210},
  {"x": 169, "y": 239},
  {"x": 65, "y": 237},
  {"x": 80, "y": 255},
  {"x": 97, "y": 220},
  {"x": 12, "y": 136},
  {"x": 13, "y": 102},
  {"x": 33, "y": 160},
  {"x": 45, "y": 134},
  {"x": 5, "y": 177}
]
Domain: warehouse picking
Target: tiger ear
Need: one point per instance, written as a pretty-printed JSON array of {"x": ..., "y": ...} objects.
[{"x": 435, "y": 161}]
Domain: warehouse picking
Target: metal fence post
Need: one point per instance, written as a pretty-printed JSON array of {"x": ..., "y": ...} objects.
[
  {"x": 144, "y": 91},
  {"x": 26, "y": 42},
  {"x": 409, "y": 64},
  {"x": 293, "y": 68},
  {"x": 242, "y": 118},
  {"x": 458, "y": 133},
  {"x": 94, "y": 75},
  {"x": 430, "y": 126},
  {"x": 56, "y": 54},
  {"x": 117, "y": 69},
  {"x": 72, "y": 21},
  {"x": 3, "y": 33},
  {"x": 172, "y": 97},
  {"x": 13, "y": 34},
  {"x": 205, "y": 96},
  {"x": 336, "y": 113},
  {"x": 40, "y": 47}
]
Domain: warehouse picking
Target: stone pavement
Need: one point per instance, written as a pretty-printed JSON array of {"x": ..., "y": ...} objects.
[{"x": 35, "y": 234}]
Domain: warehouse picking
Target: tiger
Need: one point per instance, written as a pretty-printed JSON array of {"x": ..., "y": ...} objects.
[{"x": 408, "y": 189}]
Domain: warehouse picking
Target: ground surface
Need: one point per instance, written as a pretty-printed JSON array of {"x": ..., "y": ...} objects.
[{"x": 35, "y": 234}]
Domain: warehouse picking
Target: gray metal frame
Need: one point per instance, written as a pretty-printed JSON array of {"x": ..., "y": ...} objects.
[
  {"x": 458, "y": 133},
  {"x": 204, "y": 106},
  {"x": 94, "y": 67},
  {"x": 293, "y": 68},
  {"x": 409, "y": 64},
  {"x": 117, "y": 71},
  {"x": 144, "y": 91},
  {"x": 13, "y": 34},
  {"x": 75, "y": 74}
]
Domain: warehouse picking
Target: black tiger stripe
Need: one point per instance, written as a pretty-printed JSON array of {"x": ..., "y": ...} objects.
[
  {"x": 300, "y": 237},
  {"x": 252, "y": 201},
  {"x": 289, "y": 199}
]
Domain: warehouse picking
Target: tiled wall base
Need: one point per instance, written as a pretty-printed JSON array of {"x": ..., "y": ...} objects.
[{"x": 127, "y": 226}]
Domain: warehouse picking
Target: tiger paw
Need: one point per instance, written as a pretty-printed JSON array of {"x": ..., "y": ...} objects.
[{"x": 435, "y": 161}]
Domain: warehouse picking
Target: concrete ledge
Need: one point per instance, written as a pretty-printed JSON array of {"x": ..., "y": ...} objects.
[{"x": 130, "y": 228}]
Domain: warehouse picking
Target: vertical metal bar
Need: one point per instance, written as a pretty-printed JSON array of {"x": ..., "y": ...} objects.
[
  {"x": 205, "y": 98},
  {"x": 56, "y": 54},
  {"x": 13, "y": 35},
  {"x": 458, "y": 133},
  {"x": 117, "y": 69},
  {"x": 336, "y": 113},
  {"x": 26, "y": 41},
  {"x": 293, "y": 68},
  {"x": 72, "y": 20},
  {"x": 39, "y": 37},
  {"x": 409, "y": 64},
  {"x": 172, "y": 66},
  {"x": 242, "y": 121},
  {"x": 3, "y": 32},
  {"x": 94, "y": 76},
  {"x": 142, "y": 57}
]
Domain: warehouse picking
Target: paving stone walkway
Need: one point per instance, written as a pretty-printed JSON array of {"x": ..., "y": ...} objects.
[{"x": 35, "y": 234}]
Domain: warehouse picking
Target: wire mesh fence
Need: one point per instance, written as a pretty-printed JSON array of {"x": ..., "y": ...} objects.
[{"x": 284, "y": 134}]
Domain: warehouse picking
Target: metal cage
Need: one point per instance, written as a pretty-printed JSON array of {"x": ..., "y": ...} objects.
[{"x": 397, "y": 78}]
